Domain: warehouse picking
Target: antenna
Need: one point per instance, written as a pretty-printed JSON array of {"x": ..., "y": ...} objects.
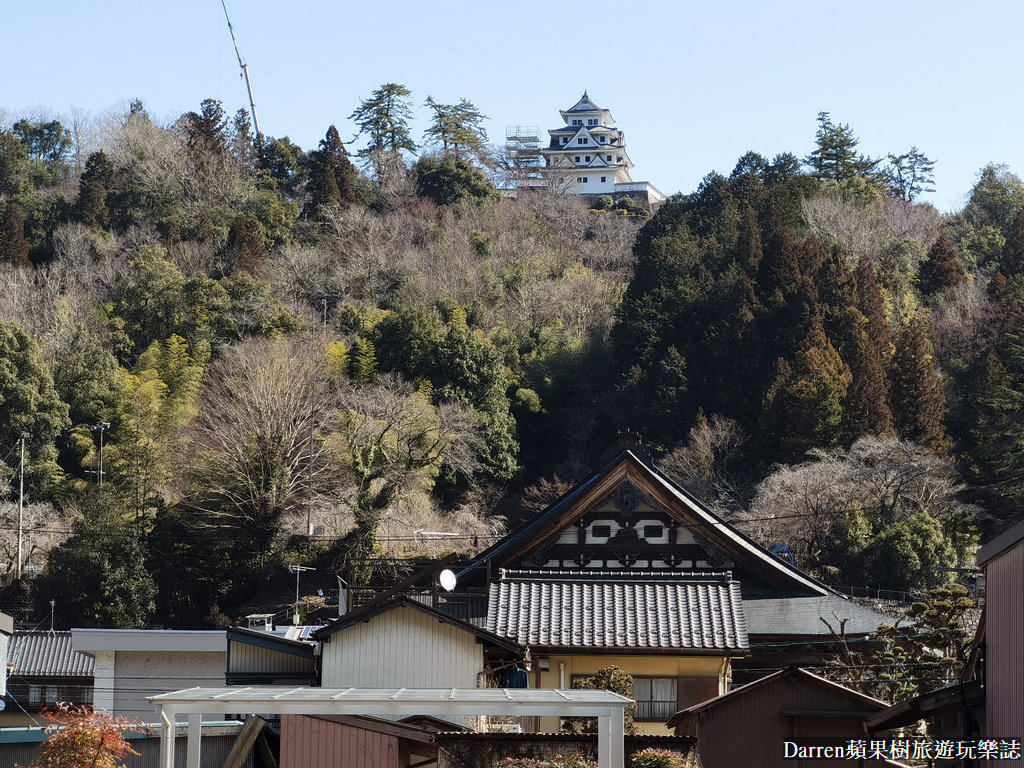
[{"x": 245, "y": 74}]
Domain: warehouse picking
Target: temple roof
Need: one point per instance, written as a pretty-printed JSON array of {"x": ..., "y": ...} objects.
[{"x": 619, "y": 611}]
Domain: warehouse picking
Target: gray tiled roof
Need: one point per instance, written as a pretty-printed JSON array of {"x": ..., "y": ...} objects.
[
  {"x": 618, "y": 611},
  {"x": 47, "y": 654},
  {"x": 803, "y": 616}
]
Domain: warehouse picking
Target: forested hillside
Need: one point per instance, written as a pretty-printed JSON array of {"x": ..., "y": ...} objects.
[{"x": 221, "y": 353}]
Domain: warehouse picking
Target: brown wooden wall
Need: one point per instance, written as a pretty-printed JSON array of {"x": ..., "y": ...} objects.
[
  {"x": 1004, "y": 648},
  {"x": 309, "y": 742},
  {"x": 750, "y": 729}
]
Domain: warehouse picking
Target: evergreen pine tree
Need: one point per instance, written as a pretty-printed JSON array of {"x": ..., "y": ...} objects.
[
  {"x": 866, "y": 408},
  {"x": 917, "y": 394},
  {"x": 836, "y": 158}
]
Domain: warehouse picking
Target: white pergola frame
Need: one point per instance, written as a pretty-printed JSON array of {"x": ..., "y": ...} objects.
[{"x": 609, "y": 709}]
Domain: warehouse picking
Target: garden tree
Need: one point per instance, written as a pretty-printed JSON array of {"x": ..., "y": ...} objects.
[
  {"x": 30, "y": 408},
  {"x": 86, "y": 375},
  {"x": 457, "y": 129},
  {"x": 243, "y": 143},
  {"x": 15, "y": 168},
  {"x": 1011, "y": 261},
  {"x": 865, "y": 408},
  {"x": 872, "y": 306},
  {"x": 835, "y": 157},
  {"x": 14, "y": 246},
  {"x": 245, "y": 249},
  {"x": 95, "y": 185},
  {"x": 155, "y": 402},
  {"x": 910, "y": 174},
  {"x": 995, "y": 199},
  {"x": 997, "y": 432},
  {"x": 283, "y": 161},
  {"x": 49, "y": 148},
  {"x": 81, "y": 737},
  {"x": 448, "y": 179},
  {"x": 943, "y": 269},
  {"x": 332, "y": 177},
  {"x": 152, "y": 299},
  {"x": 917, "y": 395},
  {"x": 707, "y": 464},
  {"x": 609, "y": 678},
  {"x": 925, "y": 650},
  {"x": 207, "y": 130},
  {"x": 257, "y": 457},
  {"x": 843, "y": 512},
  {"x": 804, "y": 403},
  {"x": 462, "y": 366},
  {"x": 383, "y": 119},
  {"x": 105, "y": 559},
  {"x": 392, "y": 443}
]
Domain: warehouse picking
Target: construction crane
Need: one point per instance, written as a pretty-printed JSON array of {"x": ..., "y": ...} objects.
[{"x": 245, "y": 74}]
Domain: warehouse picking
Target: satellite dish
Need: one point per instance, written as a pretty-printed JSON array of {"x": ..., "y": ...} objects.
[{"x": 447, "y": 579}]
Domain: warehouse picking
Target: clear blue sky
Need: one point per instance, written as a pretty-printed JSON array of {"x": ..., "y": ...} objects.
[{"x": 694, "y": 85}]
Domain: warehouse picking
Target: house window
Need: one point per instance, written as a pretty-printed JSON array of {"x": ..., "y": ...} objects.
[
  {"x": 603, "y": 180},
  {"x": 656, "y": 697}
]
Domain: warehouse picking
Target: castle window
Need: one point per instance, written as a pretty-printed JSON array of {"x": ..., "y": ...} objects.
[
  {"x": 592, "y": 121},
  {"x": 577, "y": 158},
  {"x": 586, "y": 159},
  {"x": 565, "y": 140},
  {"x": 601, "y": 531},
  {"x": 603, "y": 139},
  {"x": 652, "y": 531},
  {"x": 585, "y": 179},
  {"x": 582, "y": 141},
  {"x": 609, "y": 158},
  {"x": 604, "y": 179},
  {"x": 579, "y": 179},
  {"x": 577, "y": 122}
]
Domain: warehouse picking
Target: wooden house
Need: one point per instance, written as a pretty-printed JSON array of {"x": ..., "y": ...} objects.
[
  {"x": 1001, "y": 661},
  {"x": 790, "y": 706}
]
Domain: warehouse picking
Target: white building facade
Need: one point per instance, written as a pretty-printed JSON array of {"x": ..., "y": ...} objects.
[{"x": 588, "y": 156}]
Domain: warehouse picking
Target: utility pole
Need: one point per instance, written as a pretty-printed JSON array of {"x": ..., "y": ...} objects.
[
  {"x": 298, "y": 569},
  {"x": 101, "y": 427},
  {"x": 21, "y": 503}
]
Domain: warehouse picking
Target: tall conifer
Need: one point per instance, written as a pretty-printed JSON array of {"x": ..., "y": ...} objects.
[{"x": 917, "y": 395}]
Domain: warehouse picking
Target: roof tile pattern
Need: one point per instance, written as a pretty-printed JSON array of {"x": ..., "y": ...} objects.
[
  {"x": 47, "y": 654},
  {"x": 591, "y": 611}
]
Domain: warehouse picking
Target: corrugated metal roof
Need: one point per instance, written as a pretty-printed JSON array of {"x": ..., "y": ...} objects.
[
  {"x": 625, "y": 611},
  {"x": 47, "y": 654}
]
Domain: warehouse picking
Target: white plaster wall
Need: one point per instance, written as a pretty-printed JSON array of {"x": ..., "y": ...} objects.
[{"x": 138, "y": 674}]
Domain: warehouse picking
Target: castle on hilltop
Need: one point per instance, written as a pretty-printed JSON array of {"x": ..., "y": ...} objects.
[{"x": 587, "y": 156}]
